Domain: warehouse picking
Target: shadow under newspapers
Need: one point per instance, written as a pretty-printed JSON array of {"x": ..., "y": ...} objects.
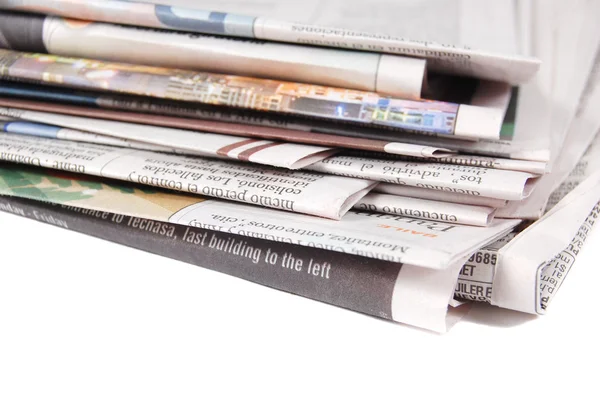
[{"x": 485, "y": 314}]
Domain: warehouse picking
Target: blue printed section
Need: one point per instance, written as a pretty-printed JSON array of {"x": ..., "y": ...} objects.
[
  {"x": 36, "y": 129},
  {"x": 199, "y": 21},
  {"x": 47, "y": 93}
]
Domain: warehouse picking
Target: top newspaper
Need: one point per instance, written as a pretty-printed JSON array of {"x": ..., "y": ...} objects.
[{"x": 442, "y": 58}]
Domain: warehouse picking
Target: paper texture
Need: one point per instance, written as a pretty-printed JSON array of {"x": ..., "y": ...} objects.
[
  {"x": 476, "y": 278},
  {"x": 467, "y": 160},
  {"x": 427, "y": 209},
  {"x": 445, "y": 58},
  {"x": 289, "y": 128},
  {"x": 533, "y": 265},
  {"x": 423, "y": 243},
  {"x": 442, "y": 196},
  {"x": 397, "y": 76},
  {"x": 443, "y": 118},
  {"x": 476, "y": 181},
  {"x": 294, "y": 191},
  {"x": 495, "y": 163}
]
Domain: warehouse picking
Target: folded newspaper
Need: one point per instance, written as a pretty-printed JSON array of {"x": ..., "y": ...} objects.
[
  {"x": 397, "y": 238},
  {"x": 478, "y": 119},
  {"x": 399, "y": 178},
  {"x": 238, "y": 124},
  {"x": 404, "y": 293},
  {"x": 295, "y": 191},
  {"x": 195, "y": 141},
  {"x": 393, "y": 75},
  {"x": 456, "y": 60}
]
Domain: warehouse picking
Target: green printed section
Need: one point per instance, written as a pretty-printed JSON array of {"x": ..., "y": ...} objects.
[
  {"x": 507, "y": 132},
  {"x": 56, "y": 187}
]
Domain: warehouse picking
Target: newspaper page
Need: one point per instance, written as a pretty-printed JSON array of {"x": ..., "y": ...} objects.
[
  {"x": 487, "y": 94},
  {"x": 476, "y": 277},
  {"x": 532, "y": 266},
  {"x": 551, "y": 273},
  {"x": 475, "y": 181},
  {"x": 437, "y": 117},
  {"x": 427, "y": 209},
  {"x": 477, "y": 280},
  {"x": 393, "y": 291},
  {"x": 451, "y": 59},
  {"x": 279, "y": 154},
  {"x": 288, "y": 127},
  {"x": 467, "y": 160},
  {"x": 294, "y": 191},
  {"x": 393, "y": 75},
  {"x": 243, "y": 125},
  {"x": 441, "y": 196},
  {"x": 272, "y": 153},
  {"x": 431, "y": 244},
  {"x": 494, "y": 163}
]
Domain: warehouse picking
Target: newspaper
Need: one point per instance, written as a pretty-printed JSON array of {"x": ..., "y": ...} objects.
[
  {"x": 239, "y": 128},
  {"x": 437, "y": 117},
  {"x": 463, "y": 25},
  {"x": 477, "y": 280},
  {"x": 475, "y": 181},
  {"x": 143, "y": 108},
  {"x": 393, "y": 291},
  {"x": 390, "y": 204},
  {"x": 491, "y": 163},
  {"x": 427, "y": 209},
  {"x": 288, "y": 128},
  {"x": 393, "y": 75},
  {"x": 466, "y": 160},
  {"x": 423, "y": 243},
  {"x": 450, "y": 59},
  {"x": 294, "y": 191},
  {"x": 532, "y": 266},
  {"x": 272, "y": 153},
  {"x": 476, "y": 277},
  {"x": 441, "y": 196}
]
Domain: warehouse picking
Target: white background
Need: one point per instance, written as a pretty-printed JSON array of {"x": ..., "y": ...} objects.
[{"x": 81, "y": 317}]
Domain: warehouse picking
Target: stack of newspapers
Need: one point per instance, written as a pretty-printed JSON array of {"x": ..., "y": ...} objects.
[{"x": 331, "y": 157}]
